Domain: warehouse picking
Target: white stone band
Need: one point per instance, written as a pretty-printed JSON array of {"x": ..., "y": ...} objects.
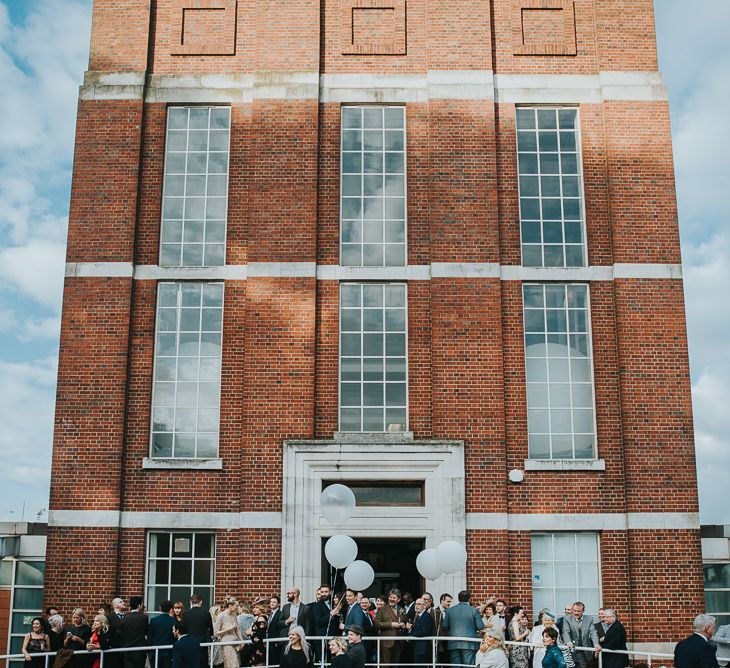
[
  {"x": 381, "y": 88},
  {"x": 424, "y": 272},
  {"x": 474, "y": 521}
]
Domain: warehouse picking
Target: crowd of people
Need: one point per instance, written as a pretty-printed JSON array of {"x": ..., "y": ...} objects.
[{"x": 267, "y": 633}]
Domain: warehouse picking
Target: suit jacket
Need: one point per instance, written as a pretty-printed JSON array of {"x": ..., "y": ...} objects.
[
  {"x": 383, "y": 619},
  {"x": 272, "y": 630},
  {"x": 694, "y": 652},
  {"x": 461, "y": 620},
  {"x": 615, "y": 638},
  {"x": 160, "y": 630},
  {"x": 438, "y": 617},
  {"x": 423, "y": 626},
  {"x": 199, "y": 623},
  {"x": 186, "y": 651},
  {"x": 585, "y": 636},
  {"x": 115, "y": 628},
  {"x": 134, "y": 629},
  {"x": 356, "y": 654},
  {"x": 355, "y": 615},
  {"x": 410, "y": 612},
  {"x": 600, "y": 631},
  {"x": 319, "y": 618},
  {"x": 302, "y": 618}
]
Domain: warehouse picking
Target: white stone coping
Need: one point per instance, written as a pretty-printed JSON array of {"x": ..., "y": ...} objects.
[
  {"x": 565, "y": 464},
  {"x": 377, "y": 87},
  {"x": 212, "y": 464},
  {"x": 474, "y": 521},
  {"x": 425, "y": 272}
]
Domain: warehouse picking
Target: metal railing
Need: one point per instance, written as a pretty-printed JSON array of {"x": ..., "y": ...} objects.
[{"x": 154, "y": 651}]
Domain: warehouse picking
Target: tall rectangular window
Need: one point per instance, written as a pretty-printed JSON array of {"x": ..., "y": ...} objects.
[
  {"x": 373, "y": 363},
  {"x": 559, "y": 372},
  {"x": 187, "y": 376},
  {"x": 373, "y": 187},
  {"x": 565, "y": 569},
  {"x": 551, "y": 192},
  {"x": 179, "y": 565},
  {"x": 26, "y": 579},
  {"x": 195, "y": 193},
  {"x": 717, "y": 590}
]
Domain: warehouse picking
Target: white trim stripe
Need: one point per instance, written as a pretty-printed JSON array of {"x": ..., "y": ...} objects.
[
  {"x": 382, "y": 88},
  {"x": 332, "y": 272},
  {"x": 474, "y": 521}
]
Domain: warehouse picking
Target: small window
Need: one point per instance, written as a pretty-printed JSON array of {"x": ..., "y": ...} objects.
[
  {"x": 179, "y": 565},
  {"x": 386, "y": 493}
]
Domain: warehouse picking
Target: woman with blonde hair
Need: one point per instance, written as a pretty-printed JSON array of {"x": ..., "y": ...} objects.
[
  {"x": 338, "y": 649},
  {"x": 297, "y": 653},
  {"x": 492, "y": 652},
  {"x": 78, "y": 634},
  {"x": 225, "y": 628},
  {"x": 538, "y": 652},
  {"x": 100, "y": 638}
]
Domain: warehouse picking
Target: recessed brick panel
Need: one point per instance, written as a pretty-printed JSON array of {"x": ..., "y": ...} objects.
[
  {"x": 545, "y": 27},
  {"x": 374, "y": 27},
  {"x": 206, "y": 27}
]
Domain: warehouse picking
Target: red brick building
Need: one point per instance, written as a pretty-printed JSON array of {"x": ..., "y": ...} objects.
[{"x": 429, "y": 249}]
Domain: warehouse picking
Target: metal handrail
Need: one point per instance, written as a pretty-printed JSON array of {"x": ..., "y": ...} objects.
[{"x": 435, "y": 640}]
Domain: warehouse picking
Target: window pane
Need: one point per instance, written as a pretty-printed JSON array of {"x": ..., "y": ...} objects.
[
  {"x": 558, "y": 371},
  {"x": 548, "y": 159},
  {"x": 30, "y": 573},
  {"x": 28, "y": 599},
  {"x": 196, "y": 169},
  {"x": 372, "y": 350},
  {"x": 187, "y": 370},
  {"x": 373, "y": 164}
]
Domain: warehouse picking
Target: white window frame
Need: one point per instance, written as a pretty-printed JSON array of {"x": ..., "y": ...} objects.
[
  {"x": 184, "y": 195},
  {"x": 169, "y": 559},
  {"x": 14, "y": 586},
  {"x": 580, "y": 174},
  {"x": 362, "y": 185},
  {"x": 154, "y": 456},
  {"x": 589, "y": 337},
  {"x": 716, "y": 590},
  {"x": 339, "y": 359},
  {"x": 558, "y": 606}
]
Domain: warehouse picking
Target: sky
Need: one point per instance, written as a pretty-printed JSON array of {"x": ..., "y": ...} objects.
[{"x": 43, "y": 54}]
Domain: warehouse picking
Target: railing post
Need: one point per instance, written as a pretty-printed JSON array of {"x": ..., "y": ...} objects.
[
  {"x": 377, "y": 651},
  {"x": 434, "y": 650},
  {"x": 101, "y": 660},
  {"x": 210, "y": 655}
]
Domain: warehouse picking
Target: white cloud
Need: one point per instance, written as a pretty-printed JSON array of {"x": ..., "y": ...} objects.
[
  {"x": 36, "y": 269},
  {"x": 26, "y": 414}
]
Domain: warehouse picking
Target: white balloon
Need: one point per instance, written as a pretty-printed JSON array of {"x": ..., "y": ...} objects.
[
  {"x": 359, "y": 575},
  {"x": 340, "y": 550},
  {"x": 451, "y": 556},
  {"x": 427, "y": 565},
  {"x": 337, "y": 503}
]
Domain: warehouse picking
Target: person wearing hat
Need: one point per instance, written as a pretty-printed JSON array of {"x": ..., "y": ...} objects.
[
  {"x": 548, "y": 622},
  {"x": 355, "y": 651}
]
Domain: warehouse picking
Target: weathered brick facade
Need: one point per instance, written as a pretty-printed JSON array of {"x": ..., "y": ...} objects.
[{"x": 285, "y": 72}]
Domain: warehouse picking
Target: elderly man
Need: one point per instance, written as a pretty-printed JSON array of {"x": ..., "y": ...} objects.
[
  {"x": 696, "y": 651},
  {"x": 421, "y": 627},
  {"x": 614, "y": 638},
  {"x": 722, "y": 640},
  {"x": 579, "y": 631}
]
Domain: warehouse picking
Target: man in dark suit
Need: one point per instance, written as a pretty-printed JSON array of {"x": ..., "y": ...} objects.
[
  {"x": 116, "y": 660},
  {"x": 696, "y": 650},
  {"x": 355, "y": 614},
  {"x": 421, "y": 627},
  {"x": 438, "y": 616},
  {"x": 160, "y": 633},
  {"x": 293, "y": 613},
  {"x": 186, "y": 651},
  {"x": 355, "y": 650},
  {"x": 199, "y": 625},
  {"x": 134, "y": 633},
  {"x": 272, "y": 629},
  {"x": 319, "y": 619},
  {"x": 614, "y": 638}
]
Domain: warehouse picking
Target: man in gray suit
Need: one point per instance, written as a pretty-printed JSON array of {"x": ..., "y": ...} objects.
[
  {"x": 579, "y": 631},
  {"x": 462, "y": 621}
]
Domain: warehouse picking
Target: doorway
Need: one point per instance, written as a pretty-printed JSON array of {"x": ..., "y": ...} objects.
[{"x": 392, "y": 559}]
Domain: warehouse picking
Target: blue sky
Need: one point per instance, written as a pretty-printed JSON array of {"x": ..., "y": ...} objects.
[{"x": 43, "y": 54}]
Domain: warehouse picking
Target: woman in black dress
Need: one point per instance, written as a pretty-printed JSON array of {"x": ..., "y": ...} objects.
[
  {"x": 78, "y": 634},
  {"x": 338, "y": 650},
  {"x": 36, "y": 641},
  {"x": 297, "y": 653},
  {"x": 257, "y": 649}
]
